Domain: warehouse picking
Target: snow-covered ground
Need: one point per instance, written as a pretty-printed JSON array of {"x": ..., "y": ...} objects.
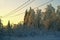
[
  {"x": 42, "y": 36},
  {"x": 50, "y": 37}
]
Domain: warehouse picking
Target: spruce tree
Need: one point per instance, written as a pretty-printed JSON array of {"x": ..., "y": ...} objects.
[{"x": 9, "y": 28}]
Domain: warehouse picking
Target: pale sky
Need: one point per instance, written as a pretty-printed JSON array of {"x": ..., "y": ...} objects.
[{"x": 8, "y": 5}]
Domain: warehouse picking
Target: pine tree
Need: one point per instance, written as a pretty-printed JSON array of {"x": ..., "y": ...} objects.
[
  {"x": 50, "y": 10},
  {"x": 58, "y": 11},
  {"x": 31, "y": 18},
  {"x": 26, "y": 18},
  {"x": 1, "y": 30},
  {"x": 38, "y": 18},
  {"x": 58, "y": 18},
  {"x": 1, "y": 26},
  {"x": 9, "y": 28}
]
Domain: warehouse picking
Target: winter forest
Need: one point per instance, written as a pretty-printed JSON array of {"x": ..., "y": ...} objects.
[{"x": 36, "y": 23}]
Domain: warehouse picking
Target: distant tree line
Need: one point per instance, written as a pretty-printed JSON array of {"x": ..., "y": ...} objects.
[
  {"x": 50, "y": 19},
  {"x": 34, "y": 22}
]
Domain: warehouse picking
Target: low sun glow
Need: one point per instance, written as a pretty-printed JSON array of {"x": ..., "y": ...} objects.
[{"x": 7, "y": 6}]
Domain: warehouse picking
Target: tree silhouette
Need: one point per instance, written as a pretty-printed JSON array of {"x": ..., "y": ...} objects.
[
  {"x": 58, "y": 11},
  {"x": 50, "y": 10},
  {"x": 38, "y": 18},
  {"x": 1, "y": 30},
  {"x": 1, "y": 25},
  {"x": 9, "y": 28},
  {"x": 26, "y": 18}
]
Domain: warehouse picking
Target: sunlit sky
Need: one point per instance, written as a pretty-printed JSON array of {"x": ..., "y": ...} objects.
[{"x": 8, "y": 5}]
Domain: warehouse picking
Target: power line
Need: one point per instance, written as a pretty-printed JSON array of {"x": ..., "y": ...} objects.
[
  {"x": 35, "y": 7},
  {"x": 24, "y": 6},
  {"x": 18, "y": 9},
  {"x": 43, "y": 4}
]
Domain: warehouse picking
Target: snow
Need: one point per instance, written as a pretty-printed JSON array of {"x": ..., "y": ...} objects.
[
  {"x": 50, "y": 37},
  {"x": 41, "y": 36}
]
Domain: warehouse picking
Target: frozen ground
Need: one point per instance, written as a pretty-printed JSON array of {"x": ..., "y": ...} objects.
[
  {"x": 49, "y": 37},
  {"x": 42, "y": 36}
]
